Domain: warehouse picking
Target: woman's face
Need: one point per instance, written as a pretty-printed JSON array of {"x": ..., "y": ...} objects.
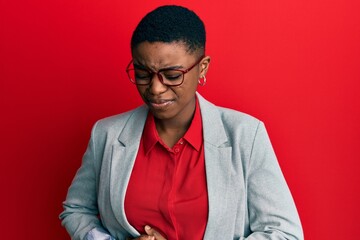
[{"x": 169, "y": 102}]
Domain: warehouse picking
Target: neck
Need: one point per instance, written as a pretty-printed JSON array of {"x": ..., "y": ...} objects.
[
  {"x": 164, "y": 126},
  {"x": 176, "y": 124},
  {"x": 171, "y": 130}
]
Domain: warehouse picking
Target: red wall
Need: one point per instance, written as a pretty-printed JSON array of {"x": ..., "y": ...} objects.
[{"x": 293, "y": 64}]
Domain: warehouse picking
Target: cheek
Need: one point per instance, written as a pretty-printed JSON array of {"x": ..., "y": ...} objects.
[
  {"x": 193, "y": 82},
  {"x": 141, "y": 90},
  {"x": 188, "y": 88}
]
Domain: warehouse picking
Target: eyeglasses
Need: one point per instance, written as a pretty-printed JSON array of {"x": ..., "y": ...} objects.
[{"x": 168, "y": 76}]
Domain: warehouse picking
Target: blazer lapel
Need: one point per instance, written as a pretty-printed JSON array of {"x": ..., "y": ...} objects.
[
  {"x": 218, "y": 167},
  {"x": 123, "y": 157}
]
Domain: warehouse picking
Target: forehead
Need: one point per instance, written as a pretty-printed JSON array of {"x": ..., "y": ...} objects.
[
  {"x": 146, "y": 45},
  {"x": 160, "y": 54}
]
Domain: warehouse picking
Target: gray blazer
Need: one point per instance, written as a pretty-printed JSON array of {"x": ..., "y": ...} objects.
[{"x": 248, "y": 196}]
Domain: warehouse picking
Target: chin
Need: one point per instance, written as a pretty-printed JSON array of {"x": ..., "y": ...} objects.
[{"x": 163, "y": 115}]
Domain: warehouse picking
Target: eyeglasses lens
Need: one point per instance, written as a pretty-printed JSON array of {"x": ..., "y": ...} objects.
[{"x": 144, "y": 77}]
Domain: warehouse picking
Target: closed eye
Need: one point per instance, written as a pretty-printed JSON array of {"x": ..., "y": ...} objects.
[
  {"x": 139, "y": 74},
  {"x": 172, "y": 75}
]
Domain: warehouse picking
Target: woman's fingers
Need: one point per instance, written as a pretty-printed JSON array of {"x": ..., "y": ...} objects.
[
  {"x": 152, "y": 232},
  {"x": 144, "y": 237}
]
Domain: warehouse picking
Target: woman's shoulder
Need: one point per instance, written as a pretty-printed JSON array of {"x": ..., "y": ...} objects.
[
  {"x": 228, "y": 116},
  {"x": 118, "y": 121},
  {"x": 236, "y": 122},
  {"x": 237, "y": 116},
  {"x": 231, "y": 112}
]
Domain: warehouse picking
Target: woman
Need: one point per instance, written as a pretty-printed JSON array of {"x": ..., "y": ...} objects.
[{"x": 178, "y": 167}]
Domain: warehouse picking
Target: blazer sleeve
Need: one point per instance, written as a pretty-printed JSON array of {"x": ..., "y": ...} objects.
[
  {"x": 272, "y": 212},
  {"x": 80, "y": 213}
]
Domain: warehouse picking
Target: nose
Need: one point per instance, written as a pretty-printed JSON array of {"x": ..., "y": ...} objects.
[{"x": 156, "y": 86}]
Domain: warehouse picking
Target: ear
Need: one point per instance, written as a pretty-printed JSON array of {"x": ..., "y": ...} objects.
[{"x": 204, "y": 66}]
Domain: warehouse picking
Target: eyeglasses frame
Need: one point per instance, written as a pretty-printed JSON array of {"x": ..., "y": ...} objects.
[{"x": 160, "y": 77}]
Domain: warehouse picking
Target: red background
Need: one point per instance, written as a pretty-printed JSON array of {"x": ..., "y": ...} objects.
[{"x": 293, "y": 64}]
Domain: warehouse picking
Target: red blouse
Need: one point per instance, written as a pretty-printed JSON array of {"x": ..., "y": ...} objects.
[{"x": 167, "y": 188}]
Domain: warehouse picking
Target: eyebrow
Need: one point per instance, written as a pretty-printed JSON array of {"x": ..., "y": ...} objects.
[{"x": 176, "y": 67}]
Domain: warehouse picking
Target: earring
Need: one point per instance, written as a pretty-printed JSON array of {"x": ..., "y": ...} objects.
[{"x": 203, "y": 82}]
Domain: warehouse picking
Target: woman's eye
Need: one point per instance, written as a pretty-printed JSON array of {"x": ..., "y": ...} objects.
[
  {"x": 172, "y": 75},
  {"x": 142, "y": 75}
]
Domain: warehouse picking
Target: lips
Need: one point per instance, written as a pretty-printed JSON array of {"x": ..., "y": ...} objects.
[{"x": 159, "y": 103}]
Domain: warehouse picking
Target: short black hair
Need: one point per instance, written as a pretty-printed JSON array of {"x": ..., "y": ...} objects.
[{"x": 171, "y": 23}]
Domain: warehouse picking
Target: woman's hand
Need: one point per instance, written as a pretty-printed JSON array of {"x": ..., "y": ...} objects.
[
  {"x": 152, "y": 234},
  {"x": 143, "y": 237}
]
